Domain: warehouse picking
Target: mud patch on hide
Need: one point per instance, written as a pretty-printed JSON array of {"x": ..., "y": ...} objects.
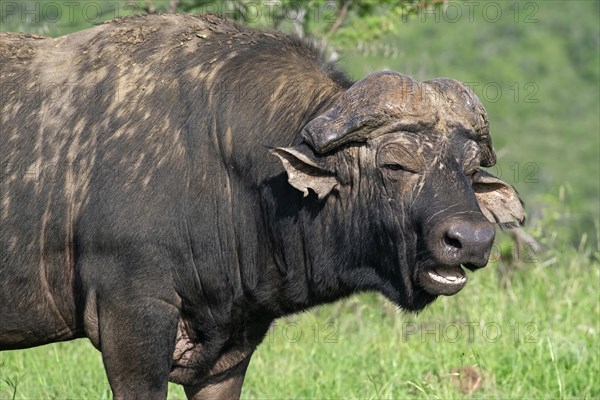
[
  {"x": 133, "y": 35},
  {"x": 18, "y": 45}
]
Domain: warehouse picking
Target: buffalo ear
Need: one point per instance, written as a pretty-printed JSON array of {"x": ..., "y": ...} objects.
[
  {"x": 499, "y": 202},
  {"x": 305, "y": 171}
]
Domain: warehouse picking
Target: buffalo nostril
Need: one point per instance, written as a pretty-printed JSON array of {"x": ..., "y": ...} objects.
[
  {"x": 456, "y": 236},
  {"x": 452, "y": 242}
]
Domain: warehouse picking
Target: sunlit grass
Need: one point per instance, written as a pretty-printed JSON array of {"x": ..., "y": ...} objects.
[{"x": 538, "y": 338}]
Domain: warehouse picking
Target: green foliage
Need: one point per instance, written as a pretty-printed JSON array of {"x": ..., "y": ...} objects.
[
  {"x": 56, "y": 18},
  {"x": 348, "y": 19}
]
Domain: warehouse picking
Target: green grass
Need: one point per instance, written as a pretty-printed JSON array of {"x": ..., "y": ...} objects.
[{"x": 537, "y": 338}]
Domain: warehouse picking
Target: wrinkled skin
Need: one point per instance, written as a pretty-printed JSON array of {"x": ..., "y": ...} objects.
[{"x": 197, "y": 203}]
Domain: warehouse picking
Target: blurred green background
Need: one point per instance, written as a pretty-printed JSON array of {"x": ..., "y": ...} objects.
[{"x": 536, "y": 67}]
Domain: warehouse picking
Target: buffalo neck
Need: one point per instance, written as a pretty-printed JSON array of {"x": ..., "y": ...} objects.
[{"x": 302, "y": 233}]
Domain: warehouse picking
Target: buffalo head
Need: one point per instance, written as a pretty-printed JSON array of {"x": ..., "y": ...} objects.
[{"x": 399, "y": 165}]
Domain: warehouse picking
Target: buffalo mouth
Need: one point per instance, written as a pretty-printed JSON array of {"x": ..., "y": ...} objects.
[{"x": 443, "y": 279}]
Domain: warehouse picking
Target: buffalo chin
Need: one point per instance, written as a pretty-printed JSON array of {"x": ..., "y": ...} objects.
[
  {"x": 413, "y": 299},
  {"x": 418, "y": 302}
]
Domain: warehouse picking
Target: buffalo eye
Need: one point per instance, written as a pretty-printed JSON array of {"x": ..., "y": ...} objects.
[
  {"x": 394, "y": 167},
  {"x": 395, "y": 159}
]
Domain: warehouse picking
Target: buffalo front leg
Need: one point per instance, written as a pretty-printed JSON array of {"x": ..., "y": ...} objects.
[
  {"x": 137, "y": 339},
  {"x": 229, "y": 388}
]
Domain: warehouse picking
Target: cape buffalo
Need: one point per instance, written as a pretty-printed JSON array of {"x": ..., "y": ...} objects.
[{"x": 171, "y": 184}]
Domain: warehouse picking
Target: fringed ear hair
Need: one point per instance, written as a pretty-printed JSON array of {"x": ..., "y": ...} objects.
[
  {"x": 498, "y": 201},
  {"x": 305, "y": 171}
]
